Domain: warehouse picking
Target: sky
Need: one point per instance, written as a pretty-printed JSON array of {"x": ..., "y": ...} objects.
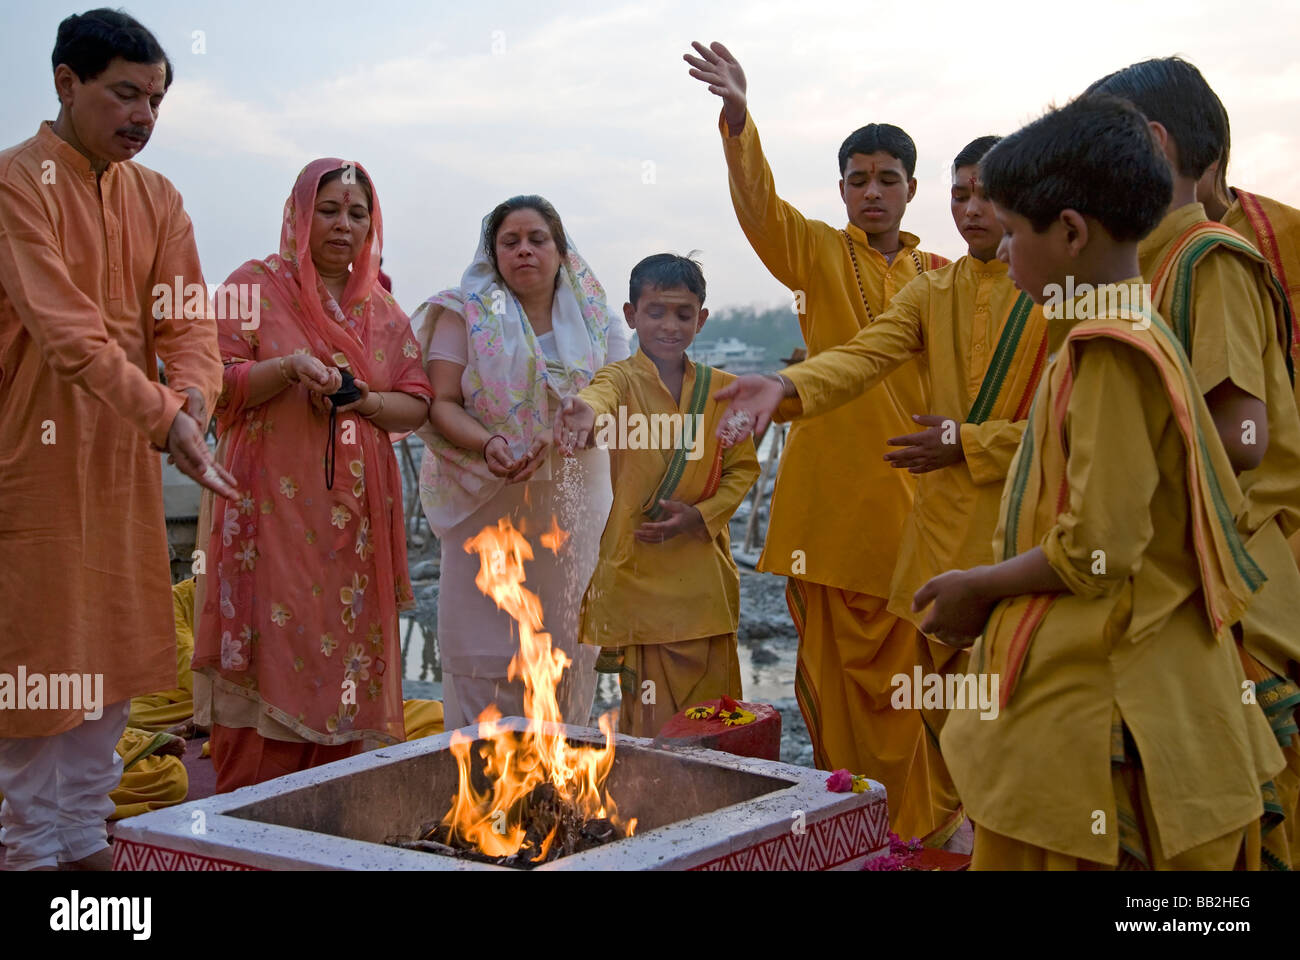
[{"x": 454, "y": 106}]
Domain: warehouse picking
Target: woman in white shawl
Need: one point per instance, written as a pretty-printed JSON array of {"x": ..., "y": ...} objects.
[{"x": 527, "y": 326}]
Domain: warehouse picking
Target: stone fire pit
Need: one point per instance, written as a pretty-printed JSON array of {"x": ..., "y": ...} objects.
[{"x": 696, "y": 810}]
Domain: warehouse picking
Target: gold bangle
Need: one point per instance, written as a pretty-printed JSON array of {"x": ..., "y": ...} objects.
[
  {"x": 285, "y": 376},
  {"x": 381, "y": 406}
]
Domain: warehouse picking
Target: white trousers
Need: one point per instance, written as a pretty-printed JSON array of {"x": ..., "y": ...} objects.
[{"x": 56, "y": 791}]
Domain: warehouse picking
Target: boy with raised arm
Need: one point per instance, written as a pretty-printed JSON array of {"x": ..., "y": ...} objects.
[
  {"x": 1122, "y": 737},
  {"x": 838, "y": 508},
  {"x": 980, "y": 346},
  {"x": 664, "y": 600},
  {"x": 1232, "y": 318}
]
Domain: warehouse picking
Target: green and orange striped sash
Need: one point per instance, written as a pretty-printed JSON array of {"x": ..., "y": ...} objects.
[
  {"x": 1177, "y": 268},
  {"x": 1013, "y": 374},
  {"x": 1260, "y": 222},
  {"x": 686, "y": 480},
  {"x": 1228, "y": 573}
]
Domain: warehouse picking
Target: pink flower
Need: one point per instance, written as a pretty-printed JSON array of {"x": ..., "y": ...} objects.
[
  {"x": 887, "y": 862},
  {"x": 841, "y": 781}
]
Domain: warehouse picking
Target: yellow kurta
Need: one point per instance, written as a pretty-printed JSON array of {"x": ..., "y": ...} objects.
[
  {"x": 1234, "y": 334},
  {"x": 835, "y": 458},
  {"x": 1040, "y": 772},
  {"x": 84, "y": 575},
  {"x": 1275, "y": 231},
  {"x": 840, "y": 563},
  {"x": 682, "y": 589},
  {"x": 670, "y": 608},
  {"x": 950, "y": 320}
]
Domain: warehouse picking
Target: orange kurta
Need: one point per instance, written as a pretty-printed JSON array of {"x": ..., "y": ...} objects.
[{"x": 85, "y": 577}]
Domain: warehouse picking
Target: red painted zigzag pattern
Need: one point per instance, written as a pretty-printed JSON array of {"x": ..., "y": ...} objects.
[
  {"x": 143, "y": 856},
  {"x": 827, "y": 843}
]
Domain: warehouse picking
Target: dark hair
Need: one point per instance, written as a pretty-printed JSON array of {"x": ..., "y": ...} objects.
[
  {"x": 883, "y": 137},
  {"x": 1096, "y": 155},
  {"x": 666, "y": 271},
  {"x": 973, "y": 151},
  {"x": 88, "y": 42},
  {"x": 1172, "y": 92},
  {"x": 362, "y": 180},
  {"x": 527, "y": 202}
]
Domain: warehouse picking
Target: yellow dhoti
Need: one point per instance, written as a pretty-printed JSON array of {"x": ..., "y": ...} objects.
[
  {"x": 850, "y": 647},
  {"x": 682, "y": 673}
]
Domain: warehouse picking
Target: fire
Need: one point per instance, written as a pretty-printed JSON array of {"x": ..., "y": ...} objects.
[
  {"x": 554, "y": 539},
  {"x": 492, "y": 819}
]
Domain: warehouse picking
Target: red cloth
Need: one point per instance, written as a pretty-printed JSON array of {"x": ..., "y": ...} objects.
[{"x": 243, "y": 757}]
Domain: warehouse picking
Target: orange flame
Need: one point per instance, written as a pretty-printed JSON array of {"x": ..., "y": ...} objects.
[
  {"x": 492, "y": 819},
  {"x": 555, "y": 538}
]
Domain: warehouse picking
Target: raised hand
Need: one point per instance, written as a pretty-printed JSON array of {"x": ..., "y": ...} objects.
[
  {"x": 754, "y": 398},
  {"x": 573, "y": 425},
  {"x": 934, "y": 448},
  {"x": 721, "y": 71},
  {"x": 682, "y": 518}
]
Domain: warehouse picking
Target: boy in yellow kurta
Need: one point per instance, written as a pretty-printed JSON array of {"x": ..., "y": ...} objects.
[
  {"x": 1272, "y": 227},
  {"x": 980, "y": 346},
  {"x": 1107, "y": 618},
  {"x": 1231, "y": 317},
  {"x": 839, "y": 563},
  {"x": 664, "y": 600}
]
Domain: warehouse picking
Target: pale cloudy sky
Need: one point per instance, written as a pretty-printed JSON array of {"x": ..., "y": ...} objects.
[{"x": 454, "y": 106}]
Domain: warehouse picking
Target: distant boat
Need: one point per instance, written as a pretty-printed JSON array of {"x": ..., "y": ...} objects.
[{"x": 729, "y": 354}]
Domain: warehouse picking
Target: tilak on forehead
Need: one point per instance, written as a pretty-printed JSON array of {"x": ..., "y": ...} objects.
[{"x": 347, "y": 196}]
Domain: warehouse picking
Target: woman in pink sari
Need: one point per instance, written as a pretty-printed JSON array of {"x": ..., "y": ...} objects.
[{"x": 306, "y": 573}]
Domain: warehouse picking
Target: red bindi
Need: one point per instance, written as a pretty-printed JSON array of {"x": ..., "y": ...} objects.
[
  {"x": 347, "y": 196},
  {"x": 972, "y": 182}
]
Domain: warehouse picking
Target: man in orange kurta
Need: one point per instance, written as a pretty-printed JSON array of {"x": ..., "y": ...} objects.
[
  {"x": 838, "y": 507},
  {"x": 85, "y": 235}
]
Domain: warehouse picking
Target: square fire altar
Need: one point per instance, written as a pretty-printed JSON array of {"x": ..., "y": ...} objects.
[{"x": 695, "y": 810}]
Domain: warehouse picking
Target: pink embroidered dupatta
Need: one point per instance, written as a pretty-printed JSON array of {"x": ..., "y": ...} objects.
[{"x": 301, "y": 612}]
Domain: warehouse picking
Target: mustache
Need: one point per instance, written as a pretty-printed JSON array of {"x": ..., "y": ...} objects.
[{"x": 140, "y": 133}]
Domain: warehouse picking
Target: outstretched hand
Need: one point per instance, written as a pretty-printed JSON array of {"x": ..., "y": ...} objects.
[
  {"x": 721, "y": 71},
  {"x": 189, "y": 451},
  {"x": 573, "y": 425},
  {"x": 682, "y": 518},
  {"x": 934, "y": 448},
  {"x": 754, "y": 399}
]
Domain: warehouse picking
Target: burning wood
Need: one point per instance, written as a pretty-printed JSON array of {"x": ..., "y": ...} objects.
[
  {"x": 553, "y": 827},
  {"x": 532, "y": 797}
]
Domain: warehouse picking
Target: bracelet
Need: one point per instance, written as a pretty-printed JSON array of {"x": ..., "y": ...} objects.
[
  {"x": 787, "y": 386},
  {"x": 494, "y": 436},
  {"x": 381, "y": 406},
  {"x": 285, "y": 376}
]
